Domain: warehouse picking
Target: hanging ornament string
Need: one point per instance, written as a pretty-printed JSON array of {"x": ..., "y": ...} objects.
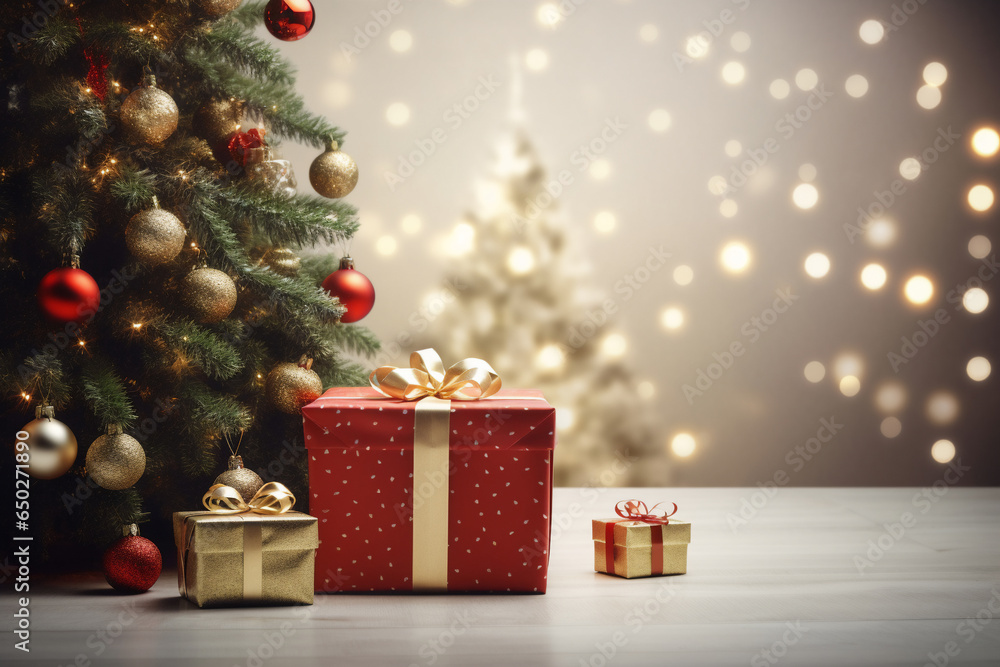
[
  {"x": 97, "y": 72},
  {"x": 229, "y": 442}
]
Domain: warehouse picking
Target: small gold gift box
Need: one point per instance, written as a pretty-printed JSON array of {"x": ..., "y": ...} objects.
[
  {"x": 245, "y": 559},
  {"x": 633, "y": 547}
]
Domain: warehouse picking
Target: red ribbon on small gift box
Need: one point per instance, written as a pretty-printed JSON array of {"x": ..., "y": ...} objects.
[{"x": 636, "y": 510}]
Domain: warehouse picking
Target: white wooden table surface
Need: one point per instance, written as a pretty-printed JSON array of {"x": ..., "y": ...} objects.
[{"x": 785, "y": 588}]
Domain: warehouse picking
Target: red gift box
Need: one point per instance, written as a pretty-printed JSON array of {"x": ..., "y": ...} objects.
[{"x": 479, "y": 521}]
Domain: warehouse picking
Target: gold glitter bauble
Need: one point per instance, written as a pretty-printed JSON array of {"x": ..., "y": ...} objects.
[
  {"x": 149, "y": 115},
  {"x": 244, "y": 480},
  {"x": 116, "y": 461},
  {"x": 290, "y": 386},
  {"x": 51, "y": 446},
  {"x": 216, "y": 8},
  {"x": 216, "y": 120},
  {"x": 334, "y": 173},
  {"x": 282, "y": 261},
  {"x": 155, "y": 236},
  {"x": 210, "y": 294}
]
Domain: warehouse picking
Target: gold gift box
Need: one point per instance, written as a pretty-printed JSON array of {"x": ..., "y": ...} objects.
[
  {"x": 633, "y": 547},
  {"x": 245, "y": 559}
]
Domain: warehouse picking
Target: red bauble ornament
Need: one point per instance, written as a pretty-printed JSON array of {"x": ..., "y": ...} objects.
[
  {"x": 69, "y": 295},
  {"x": 353, "y": 288},
  {"x": 132, "y": 564},
  {"x": 289, "y": 20}
]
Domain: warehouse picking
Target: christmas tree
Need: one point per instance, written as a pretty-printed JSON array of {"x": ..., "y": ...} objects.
[
  {"x": 522, "y": 304},
  {"x": 150, "y": 272}
]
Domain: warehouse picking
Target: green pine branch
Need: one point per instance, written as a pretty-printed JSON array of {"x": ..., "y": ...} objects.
[
  {"x": 105, "y": 393},
  {"x": 218, "y": 359}
]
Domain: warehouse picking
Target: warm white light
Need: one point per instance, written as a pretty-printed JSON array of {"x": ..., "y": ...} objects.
[
  {"x": 779, "y": 89},
  {"x": 807, "y": 172},
  {"x": 986, "y": 142},
  {"x": 978, "y": 368},
  {"x": 659, "y": 120},
  {"x": 463, "y": 239},
  {"x": 981, "y": 197},
  {"x": 718, "y": 185},
  {"x": 683, "y": 445},
  {"x": 733, "y": 73},
  {"x": 871, "y": 31},
  {"x": 873, "y": 276},
  {"x": 550, "y": 358},
  {"x": 600, "y": 169},
  {"x": 536, "y": 59},
  {"x": 672, "y": 318},
  {"x": 891, "y": 427},
  {"x": 806, "y": 79},
  {"x": 850, "y": 386},
  {"x": 890, "y": 397},
  {"x": 397, "y": 114},
  {"x": 847, "y": 364},
  {"x": 683, "y": 274},
  {"x": 942, "y": 408},
  {"x": 386, "y": 246},
  {"x": 605, "y": 222},
  {"x": 565, "y": 419},
  {"x": 614, "y": 345},
  {"x": 928, "y": 97},
  {"x": 411, "y": 223},
  {"x": 697, "y": 46},
  {"x": 814, "y": 371},
  {"x": 975, "y": 300},
  {"x": 549, "y": 15},
  {"x": 740, "y": 41},
  {"x": 646, "y": 390},
  {"x": 919, "y": 290},
  {"x": 521, "y": 261},
  {"x": 856, "y": 85},
  {"x": 881, "y": 233},
  {"x": 943, "y": 451},
  {"x": 817, "y": 265},
  {"x": 979, "y": 246},
  {"x": 805, "y": 195},
  {"x": 735, "y": 257},
  {"x": 733, "y": 148},
  {"x": 400, "y": 41},
  {"x": 649, "y": 33},
  {"x": 935, "y": 74},
  {"x": 909, "y": 168},
  {"x": 728, "y": 208}
]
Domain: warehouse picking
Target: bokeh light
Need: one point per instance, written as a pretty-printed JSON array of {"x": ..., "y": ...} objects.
[
  {"x": 891, "y": 427},
  {"x": 979, "y": 246},
  {"x": 733, "y": 148},
  {"x": 942, "y": 407},
  {"x": 397, "y": 114},
  {"x": 919, "y": 290},
  {"x": 605, "y": 222},
  {"x": 672, "y": 318},
  {"x": 733, "y": 73},
  {"x": 871, "y": 31},
  {"x": 683, "y": 275},
  {"x": 975, "y": 300},
  {"x": 978, "y": 368},
  {"x": 463, "y": 239},
  {"x": 521, "y": 261},
  {"x": 909, "y": 168},
  {"x": 929, "y": 97},
  {"x": 411, "y": 223},
  {"x": 890, "y": 397},
  {"x": 659, "y": 120},
  {"x": 614, "y": 345},
  {"x": 980, "y": 197},
  {"x": 740, "y": 41},
  {"x": 548, "y": 15},
  {"x": 718, "y": 185},
  {"x": 683, "y": 445},
  {"x": 728, "y": 208},
  {"x": 847, "y": 364},
  {"x": 807, "y": 172},
  {"x": 735, "y": 257},
  {"x": 806, "y": 79},
  {"x": 814, "y": 371},
  {"x": 600, "y": 169},
  {"x": 779, "y": 89},
  {"x": 400, "y": 41},
  {"x": 935, "y": 74},
  {"x": 697, "y": 46},
  {"x": 646, "y": 390},
  {"x": 386, "y": 246},
  {"x": 881, "y": 233},
  {"x": 986, "y": 142},
  {"x": 817, "y": 265},
  {"x": 550, "y": 358},
  {"x": 943, "y": 451},
  {"x": 805, "y": 195},
  {"x": 850, "y": 386},
  {"x": 856, "y": 85},
  {"x": 649, "y": 33},
  {"x": 536, "y": 59},
  {"x": 873, "y": 276}
]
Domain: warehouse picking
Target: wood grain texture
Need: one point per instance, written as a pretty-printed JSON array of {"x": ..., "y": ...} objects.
[{"x": 787, "y": 581}]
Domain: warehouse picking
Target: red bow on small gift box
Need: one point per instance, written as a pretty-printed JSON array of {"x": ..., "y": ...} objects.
[
  {"x": 636, "y": 510},
  {"x": 243, "y": 146}
]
